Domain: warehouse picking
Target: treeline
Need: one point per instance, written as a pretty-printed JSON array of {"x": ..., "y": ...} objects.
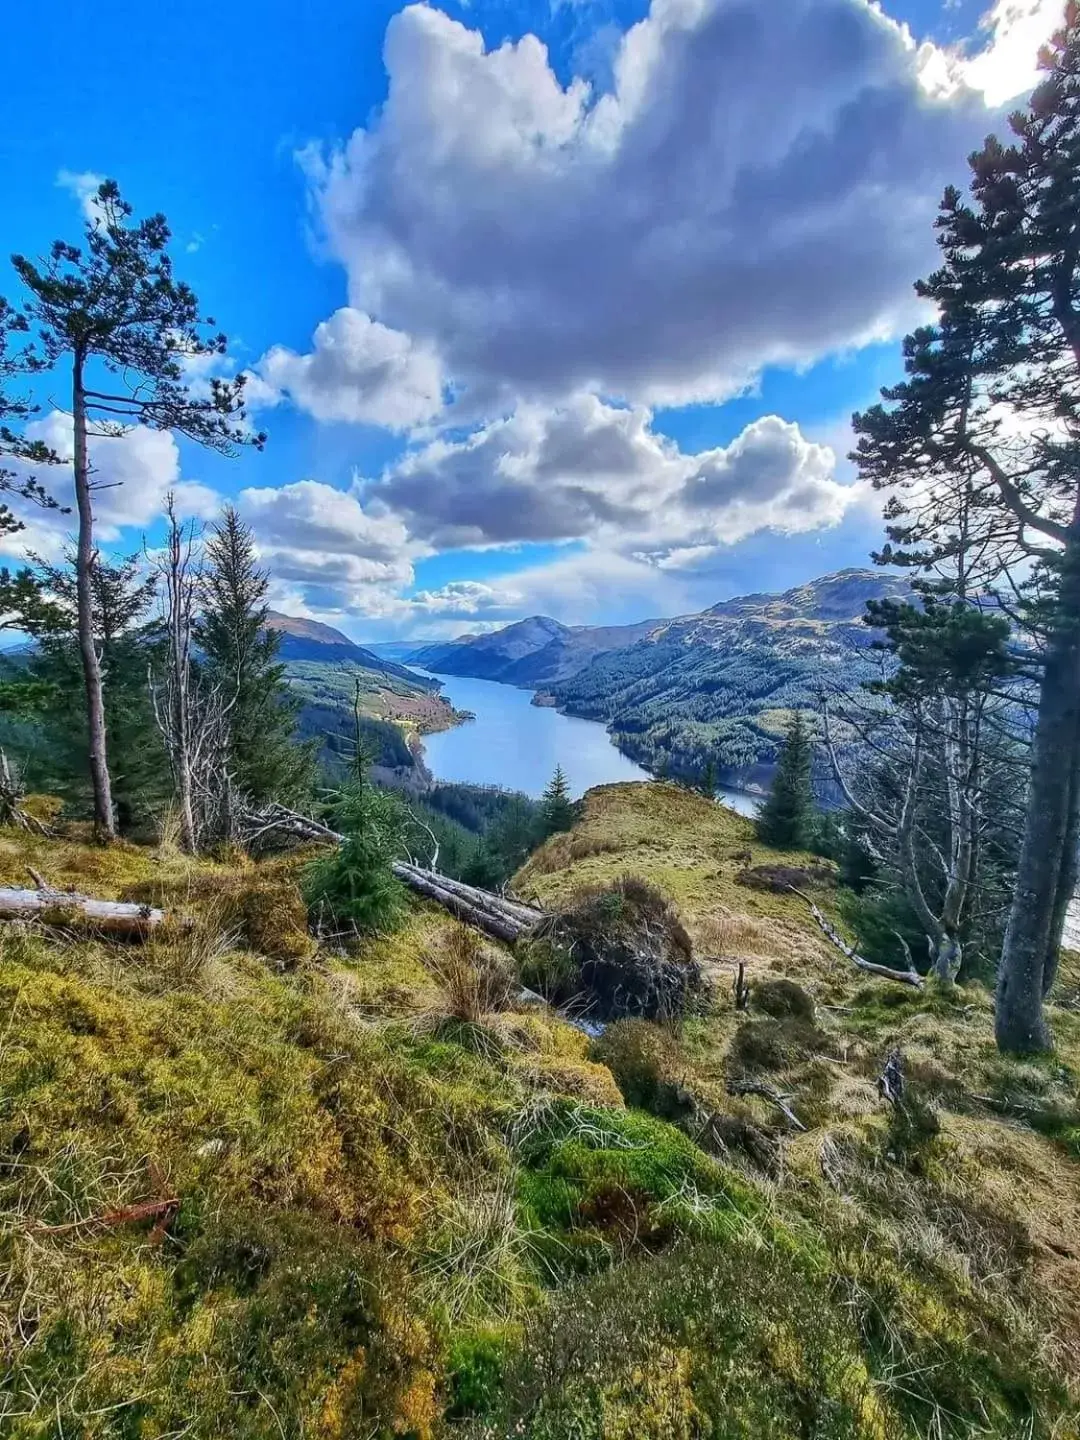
[
  {"x": 198, "y": 719},
  {"x": 484, "y": 834},
  {"x": 677, "y": 709}
]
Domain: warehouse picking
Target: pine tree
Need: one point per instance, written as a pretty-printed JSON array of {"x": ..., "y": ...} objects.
[
  {"x": 128, "y": 639},
  {"x": 17, "y": 362},
  {"x": 113, "y": 312},
  {"x": 1007, "y": 342},
  {"x": 239, "y": 655},
  {"x": 707, "y": 781},
  {"x": 557, "y": 810},
  {"x": 786, "y": 818}
]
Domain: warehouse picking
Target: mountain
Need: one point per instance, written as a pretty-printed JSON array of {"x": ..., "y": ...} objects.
[
  {"x": 402, "y": 650},
  {"x": 534, "y": 652},
  {"x": 311, "y": 640},
  {"x": 715, "y": 688},
  {"x": 492, "y": 656},
  {"x": 330, "y": 673}
]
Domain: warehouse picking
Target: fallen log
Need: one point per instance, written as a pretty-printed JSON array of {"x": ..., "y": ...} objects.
[
  {"x": 67, "y": 908},
  {"x": 488, "y": 921},
  {"x": 280, "y": 820},
  {"x": 483, "y": 899},
  {"x": 494, "y": 915},
  {"x": 901, "y": 977}
]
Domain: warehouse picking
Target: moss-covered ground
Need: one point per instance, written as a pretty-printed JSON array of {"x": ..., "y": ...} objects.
[{"x": 255, "y": 1186}]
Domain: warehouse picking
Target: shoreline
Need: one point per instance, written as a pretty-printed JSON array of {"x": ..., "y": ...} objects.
[{"x": 544, "y": 700}]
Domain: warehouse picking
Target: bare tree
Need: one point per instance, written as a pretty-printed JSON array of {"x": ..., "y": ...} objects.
[
  {"x": 191, "y": 711},
  {"x": 932, "y": 753},
  {"x": 178, "y": 566}
]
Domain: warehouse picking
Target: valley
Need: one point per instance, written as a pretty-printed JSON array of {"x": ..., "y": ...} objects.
[{"x": 699, "y": 692}]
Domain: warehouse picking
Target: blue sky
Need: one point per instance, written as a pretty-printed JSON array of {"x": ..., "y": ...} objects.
[{"x": 594, "y": 317}]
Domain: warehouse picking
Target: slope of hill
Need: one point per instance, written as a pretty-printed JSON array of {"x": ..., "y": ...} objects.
[
  {"x": 325, "y": 668},
  {"x": 717, "y": 688},
  {"x": 254, "y": 1186},
  {"x": 311, "y": 640}
]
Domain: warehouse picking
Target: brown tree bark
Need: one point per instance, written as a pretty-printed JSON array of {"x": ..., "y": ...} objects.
[
  {"x": 1068, "y": 876},
  {"x": 104, "y": 821},
  {"x": 1045, "y": 867}
]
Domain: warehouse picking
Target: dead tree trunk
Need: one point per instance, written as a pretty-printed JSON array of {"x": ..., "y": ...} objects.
[
  {"x": 104, "y": 821},
  {"x": 490, "y": 921},
  {"x": 902, "y": 977},
  {"x": 173, "y": 709},
  {"x": 11, "y": 796},
  {"x": 493, "y": 915},
  {"x": 514, "y": 910},
  {"x": 66, "y": 908}
]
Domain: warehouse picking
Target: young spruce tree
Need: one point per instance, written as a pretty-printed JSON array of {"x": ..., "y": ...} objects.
[
  {"x": 114, "y": 316},
  {"x": 557, "y": 810},
  {"x": 239, "y": 656},
  {"x": 786, "y": 818}
]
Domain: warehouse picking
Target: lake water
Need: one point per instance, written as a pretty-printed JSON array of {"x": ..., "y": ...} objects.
[{"x": 517, "y": 745}]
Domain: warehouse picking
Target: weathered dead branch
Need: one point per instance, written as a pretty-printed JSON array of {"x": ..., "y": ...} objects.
[
  {"x": 766, "y": 1092},
  {"x": 902, "y": 977}
]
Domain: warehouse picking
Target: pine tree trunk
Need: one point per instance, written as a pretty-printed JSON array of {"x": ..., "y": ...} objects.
[
  {"x": 1043, "y": 865},
  {"x": 104, "y": 823},
  {"x": 1068, "y": 875}
]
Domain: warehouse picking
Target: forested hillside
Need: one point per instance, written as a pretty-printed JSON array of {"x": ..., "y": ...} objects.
[{"x": 715, "y": 690}]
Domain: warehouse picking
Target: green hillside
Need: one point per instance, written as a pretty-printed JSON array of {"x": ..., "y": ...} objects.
[
  {"x": 330, "y": 673},
  {"x": 254, "y": 1186}
]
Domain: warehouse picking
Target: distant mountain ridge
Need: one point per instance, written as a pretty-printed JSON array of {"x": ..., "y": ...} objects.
[
  {"x": 530, "y": 653},
  {"x": 680, "y": 695},
  {"x": 312, "y": 640}
]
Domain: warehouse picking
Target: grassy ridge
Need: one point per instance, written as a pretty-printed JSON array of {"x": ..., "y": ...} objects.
[{"x": 396, "y": 1218}]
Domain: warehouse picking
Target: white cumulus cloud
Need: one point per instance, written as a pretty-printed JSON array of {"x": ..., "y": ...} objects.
[
  {"x": 358, "y": 371},
  {"x": 322, "y": 547},
  {"x": 758, "y": 188},
  {"x": 592, "y": 471},
  {"x": 132, "y": 472}
]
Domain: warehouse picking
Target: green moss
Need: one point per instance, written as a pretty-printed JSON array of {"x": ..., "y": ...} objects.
[
  {"x": 475, "y": 1366},
  {"x": 579, "y": 1158},
  {"x": 381, "y": 1217}
]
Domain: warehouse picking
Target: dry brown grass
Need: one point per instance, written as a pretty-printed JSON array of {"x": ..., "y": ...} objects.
[
  {"x": 475, "y": 979},
  {"x": 189, "y": 951},
  {"x": 728, "y": 933}
]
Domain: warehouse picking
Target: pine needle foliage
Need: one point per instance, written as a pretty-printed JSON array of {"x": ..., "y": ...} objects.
[
  {"x": 786, "y": 819},
  {"x": 355, "y": 884}
]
